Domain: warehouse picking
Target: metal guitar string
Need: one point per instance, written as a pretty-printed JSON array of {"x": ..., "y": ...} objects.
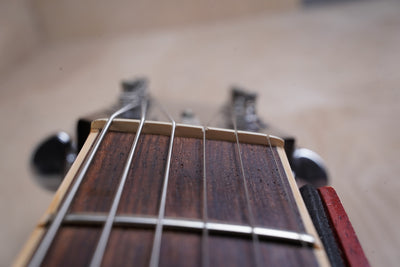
[
  {"x": 293, "y": 208},
  {"x": 256, "y": 243},
  {"x": 205, "y": 231},
  {"x": 205, "y": 254},
  {"x": 41, "y": 251},
  {"x": 105, "y": 234},
  {"x": 155, "y": 253},
  {"x": 47, "y": 240},
  {"x": 282, "y": 182}
]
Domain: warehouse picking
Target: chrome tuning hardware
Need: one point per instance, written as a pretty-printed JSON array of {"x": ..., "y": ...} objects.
[
  {"x": 307, "y": 165},
  {"x": 133, "y": 91},
  {"x": 53, "y": 156},
  {"x": 188, "y": 117},
  {"x": 243, "y": 108}
]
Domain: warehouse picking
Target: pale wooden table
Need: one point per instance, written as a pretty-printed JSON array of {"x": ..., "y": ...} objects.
[{"x": 328, "y": 75}]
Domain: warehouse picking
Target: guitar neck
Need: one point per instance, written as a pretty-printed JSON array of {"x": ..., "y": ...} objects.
[{"x": 176, "y": 195}]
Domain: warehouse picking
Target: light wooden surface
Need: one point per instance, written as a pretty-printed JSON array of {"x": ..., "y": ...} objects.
[
  {"x": 65, "y": 19},
  {"x": 329, "y": 75}
]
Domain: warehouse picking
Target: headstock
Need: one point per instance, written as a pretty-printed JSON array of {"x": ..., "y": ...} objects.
[{"x": 53, "y": 156}]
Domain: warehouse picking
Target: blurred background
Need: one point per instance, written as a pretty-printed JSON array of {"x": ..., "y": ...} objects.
[{"x": 326, "y": 72}]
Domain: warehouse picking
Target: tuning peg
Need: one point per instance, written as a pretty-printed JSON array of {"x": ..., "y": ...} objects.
[
  {"x": 309, "y": 167},
  {"x": 52, "y": 159}
]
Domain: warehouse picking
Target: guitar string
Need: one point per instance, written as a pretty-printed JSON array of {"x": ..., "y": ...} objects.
[
  {"x": 39, "y": 255},
  {"x": 205, "y": 252},
  {"x": 256, "y": 243},
  {"x": 205, "y": 231},
  {"x": 303, "y": 243},
  {"x": 105, "y": 234},
  {"x": 293, "y": 208},
  {"x": 156, "y": 250},
  {"x": 47, "y": 240}
]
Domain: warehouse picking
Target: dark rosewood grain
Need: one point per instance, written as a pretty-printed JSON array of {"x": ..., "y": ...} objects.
[
  {"x": 278, "y": 254},
  {"x": 129, "y": 247},
  {"x": 231, "y": 251},
  {"x": 73, "y": 246},
  {"x": 181, "y": 249},
  {"x": 142, "y": 191},
  {"x": 226, "y": 201},
  {"x": 271, "y": 205},
  {"x": 97, "y": 189},
  {"x": 239, "y": 251},
  {"x": 185, "y": 185}
]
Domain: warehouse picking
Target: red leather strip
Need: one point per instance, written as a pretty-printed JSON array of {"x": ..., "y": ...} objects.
[{"x": 352, "y": 251}]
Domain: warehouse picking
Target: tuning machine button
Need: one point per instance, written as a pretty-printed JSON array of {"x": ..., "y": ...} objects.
[
  {"x": 309, "y": 167},
  {"x": 51, "y": 160}
]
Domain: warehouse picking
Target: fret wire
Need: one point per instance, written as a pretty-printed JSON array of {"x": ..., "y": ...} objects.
[
  {"x": 256, "y": 245},
  {"x": 283, "y": 185},
  {"x": 155, "y": 254},
  {"x": 205, "y": 252},
  {"x": 102, "y": 243},
  {"x": 195, "y": 225},
  {"x": 44, "y": 246}
]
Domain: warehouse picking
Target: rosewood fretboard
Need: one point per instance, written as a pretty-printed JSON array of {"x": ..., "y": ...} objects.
[{"x": 205, "y": 200}]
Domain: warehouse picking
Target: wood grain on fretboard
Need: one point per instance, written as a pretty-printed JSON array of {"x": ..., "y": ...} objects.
[{"x": 270, "y": 197}]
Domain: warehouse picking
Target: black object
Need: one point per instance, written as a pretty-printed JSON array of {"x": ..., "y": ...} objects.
[
  {"x": 309, "y": 166},
  {"x": 82, "y": 131},
  {"x": 317, "y": 212},
  {"x": 52, "y": 159},
  {"x": 132, "y": 90}
]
